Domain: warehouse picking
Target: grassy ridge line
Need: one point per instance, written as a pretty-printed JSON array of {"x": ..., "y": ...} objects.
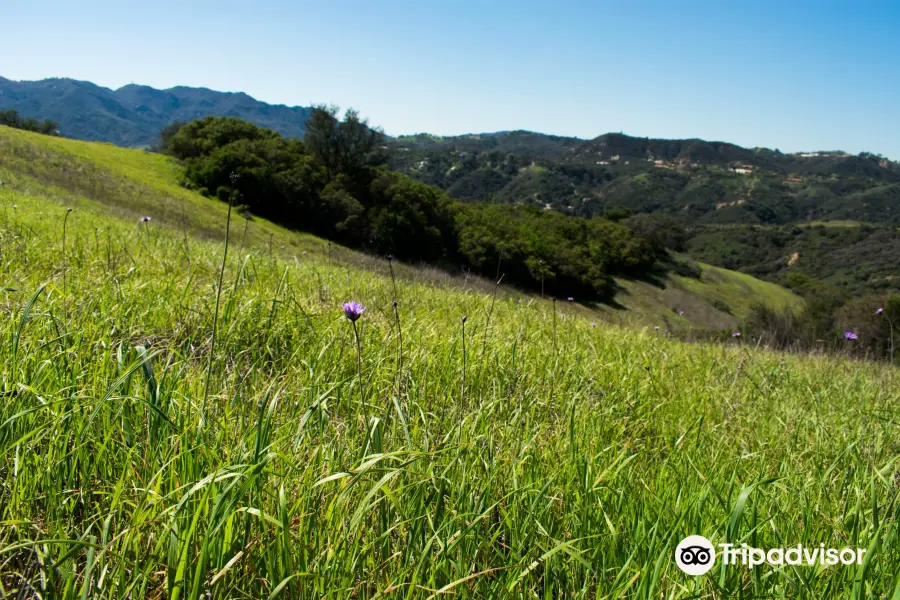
[
  {"x": 549, "y": 458},
  {"x": 133, "y": 183}
]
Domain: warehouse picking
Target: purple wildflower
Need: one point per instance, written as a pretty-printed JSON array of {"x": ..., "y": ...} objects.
[
  {"x": 680, "y": 313},
  {"x": 736, "y": 334},
  {"x": 571, "y": 299},
  {"x": 593, "y": 324},
  {"x": 563, "y": 315},
  {"x": 145, "y": 219},
  {"x": 849, "y": 335},
  {"x": 353, "y": 310},
  {"x": 879, "y": 311}
]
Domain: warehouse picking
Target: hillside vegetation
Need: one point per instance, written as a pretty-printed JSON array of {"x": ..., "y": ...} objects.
[
  {"x": 698, "y": 185},
  {"x": 175, "y": 429},
  {"x": 707, "y": 188},
  {"x": 134, "y": 183}
]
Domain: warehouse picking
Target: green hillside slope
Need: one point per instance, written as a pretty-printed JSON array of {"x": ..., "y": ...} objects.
[
  {"x": 176, "y": 425},
  {"x": 135, "y": 183}
]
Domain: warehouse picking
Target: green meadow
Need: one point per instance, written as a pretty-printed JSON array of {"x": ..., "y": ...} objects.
[{"x": 187, "y": 413}]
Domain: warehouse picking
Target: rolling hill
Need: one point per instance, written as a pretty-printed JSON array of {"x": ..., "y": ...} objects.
[
  {"x": 760, "y": 211},
  {"x": 755, "y": 210},
  {"x": 697, "y": 181},
  {"x": 133, "y": 183}
]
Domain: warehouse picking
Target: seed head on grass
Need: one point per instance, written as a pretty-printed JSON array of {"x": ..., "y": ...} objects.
[{"x": 353, "y": 310}]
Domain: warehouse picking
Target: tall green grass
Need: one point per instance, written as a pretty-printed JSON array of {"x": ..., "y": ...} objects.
[{"x": 551, "y": 459}]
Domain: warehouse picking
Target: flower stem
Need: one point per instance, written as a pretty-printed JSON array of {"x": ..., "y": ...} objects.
[{"x": 212, "y": 343}]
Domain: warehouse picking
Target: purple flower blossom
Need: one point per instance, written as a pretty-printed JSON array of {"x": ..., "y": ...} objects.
[
  {"x": 849, "y": 335},
  {"x": 879, "y": 311},
  {"x": 353, "y": 310},
  {"x": 680, "y": 313},
  {"x": 145, "y": 219},
  {"x": 736, "y": 334},
  {"x": 593, "y": 324},
  {"x": 563, "y": 315},
  {"x": 571, "y": 299}
]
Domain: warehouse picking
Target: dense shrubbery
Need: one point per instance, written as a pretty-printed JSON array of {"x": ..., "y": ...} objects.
[
  {"x": 335, "y": 183},
  {"x": 572, "y": 255},
  {"x": 12, "y": 118},
  {"x": 831, "y": 321}
]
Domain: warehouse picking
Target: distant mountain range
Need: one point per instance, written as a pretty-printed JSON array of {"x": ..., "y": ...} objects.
[{"x": 134, "y": 115}]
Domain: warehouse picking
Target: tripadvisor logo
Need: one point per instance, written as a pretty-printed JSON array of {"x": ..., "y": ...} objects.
[{"x": 696, "y": 555}]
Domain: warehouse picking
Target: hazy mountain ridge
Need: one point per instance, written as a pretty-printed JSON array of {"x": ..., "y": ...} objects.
[{"x": 133, "y": 115}]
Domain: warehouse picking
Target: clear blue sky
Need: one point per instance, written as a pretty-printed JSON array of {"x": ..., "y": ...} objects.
[{"x": 791, "y": 74}]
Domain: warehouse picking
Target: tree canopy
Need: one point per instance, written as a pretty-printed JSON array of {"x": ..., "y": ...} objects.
[{"x": 335, "y": 184}]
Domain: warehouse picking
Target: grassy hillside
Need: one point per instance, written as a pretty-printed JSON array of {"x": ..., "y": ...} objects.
[
  {"x": 167, "y": 433},
  {"x": 135, "y": 183}
]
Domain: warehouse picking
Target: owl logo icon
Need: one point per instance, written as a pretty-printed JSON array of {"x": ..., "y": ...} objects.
[{"x": 695, "y": 555}]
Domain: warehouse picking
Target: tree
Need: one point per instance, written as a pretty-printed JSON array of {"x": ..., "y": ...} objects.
[
  {"x": 345, "y": 147},
  {"x": 11, "y": 118},
  {"x": 166, "y": 138}
]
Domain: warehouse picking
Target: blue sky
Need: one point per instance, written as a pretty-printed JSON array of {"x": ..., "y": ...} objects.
[{"x": 791, "y": 74}]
